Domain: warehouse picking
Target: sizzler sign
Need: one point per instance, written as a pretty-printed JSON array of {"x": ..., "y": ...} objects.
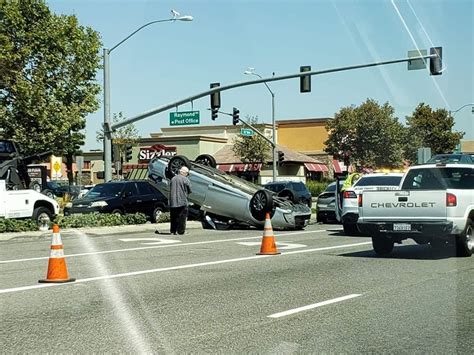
[{"x": 157, "y": 150}]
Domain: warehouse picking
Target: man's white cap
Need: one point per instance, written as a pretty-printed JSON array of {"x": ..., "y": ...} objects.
[{"x": 184, "y": 170}]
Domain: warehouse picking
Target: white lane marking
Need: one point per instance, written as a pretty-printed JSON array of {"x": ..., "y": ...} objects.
[
  {"x": 180, "y": 267},
  {"x": 154, "y": 247},
  {"x": 151, "y": 241},
  {"x": 280, "y": 245},
  {"x": 311, "y": 306}
]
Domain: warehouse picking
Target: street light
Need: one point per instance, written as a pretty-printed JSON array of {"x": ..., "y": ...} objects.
[
  {"x": 459, "y": 109},
  {"x": 251, "y": 71},
  {"x": 106, "y": 54}
]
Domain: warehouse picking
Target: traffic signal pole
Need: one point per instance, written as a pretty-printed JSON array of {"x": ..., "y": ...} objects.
[{"x": 248, "y": 83}]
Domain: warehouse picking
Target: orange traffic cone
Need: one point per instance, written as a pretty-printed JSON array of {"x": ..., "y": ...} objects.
[
  {"x": 268, "y": 241},
  {"x": 57, "y": 270}
]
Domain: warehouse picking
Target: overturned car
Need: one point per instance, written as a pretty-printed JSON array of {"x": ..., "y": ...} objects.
[{"x": 224, "y": 200}]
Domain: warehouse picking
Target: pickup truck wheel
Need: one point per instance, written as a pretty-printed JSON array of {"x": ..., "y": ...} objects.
[
  {"x": 176, "y": 163},
  {"x": 207, "y": 160},
  {"x": 350, "y": 229},
  {"x": 465, "y": 241},
  {"x": 382, "y": 245},
  {"x": 261, "y": 203},
  {"x": 42, "y": 215}
]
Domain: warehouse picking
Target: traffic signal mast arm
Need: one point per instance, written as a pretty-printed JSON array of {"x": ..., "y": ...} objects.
[
  {"x": 259, "y": 81},
  {"x": 250, "y": 126}
]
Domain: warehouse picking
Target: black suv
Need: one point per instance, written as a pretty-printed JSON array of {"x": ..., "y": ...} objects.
[
  {"x": 295, "y": 191},
  {"x": 120, "y": 197}
]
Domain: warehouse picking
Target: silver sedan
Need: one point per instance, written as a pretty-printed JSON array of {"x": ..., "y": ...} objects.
[{"x": 225, "y": 200}]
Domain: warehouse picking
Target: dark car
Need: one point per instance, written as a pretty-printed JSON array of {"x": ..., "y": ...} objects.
[
  {"x": 451, "y": 158},
  {"x": 121, "y": 197},
  {"x": 60, "y": 189},
  {"x": 295, "y": 191}
]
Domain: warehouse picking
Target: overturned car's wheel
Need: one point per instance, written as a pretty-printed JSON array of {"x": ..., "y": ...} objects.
[
  {"x": 176, "y": 163},
  {"x": 206, "y": 159},
  {"x": 261, "y": 203}
]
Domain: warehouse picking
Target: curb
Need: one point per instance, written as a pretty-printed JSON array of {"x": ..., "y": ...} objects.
[{"x": 117, "y": 230}]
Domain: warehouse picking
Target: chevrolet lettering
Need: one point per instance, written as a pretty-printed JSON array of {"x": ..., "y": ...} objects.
[{"x": 402, "y": 204}]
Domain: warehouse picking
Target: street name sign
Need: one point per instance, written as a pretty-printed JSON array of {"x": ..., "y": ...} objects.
[
  {"x": 246, "y": 132},
  {"x": 184, "y": 118}
]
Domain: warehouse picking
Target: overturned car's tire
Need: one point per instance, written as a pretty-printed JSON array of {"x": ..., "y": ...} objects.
[
  {"x": 207, "y": 160},
  {"x": 176, "y": 163},
  {"x": 261, "y": 203}
]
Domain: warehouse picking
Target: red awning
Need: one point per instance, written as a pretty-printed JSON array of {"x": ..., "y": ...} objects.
[
  {"x": 339, "y": 167},
  {"x": 228, "y": 168},
  {"x": 316, "y": 167}
]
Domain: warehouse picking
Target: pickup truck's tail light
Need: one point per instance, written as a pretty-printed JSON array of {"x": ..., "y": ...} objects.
[
  {"x": 451, "y": 200},
  {"x": 349, "y": 194},
  {"x": 359, "y": 200}
]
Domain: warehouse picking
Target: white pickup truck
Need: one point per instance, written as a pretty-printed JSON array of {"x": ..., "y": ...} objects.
[
  {"x": 26, "y": 204},
  {"x": 435, "y": 204}
]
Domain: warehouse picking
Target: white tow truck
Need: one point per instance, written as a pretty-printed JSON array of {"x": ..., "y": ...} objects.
[
  {"x": 26, "y": 204},
  {"x": 435, "y": 205}
]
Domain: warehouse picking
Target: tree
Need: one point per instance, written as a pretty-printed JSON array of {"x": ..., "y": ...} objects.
[
  {"x": 47, "y": 85},
  {"x": 122, "y": 136},
  {"x": 368, "y": 136},
  {"x": 251, "y": 149},
  {"x": 430, "y": 128}
]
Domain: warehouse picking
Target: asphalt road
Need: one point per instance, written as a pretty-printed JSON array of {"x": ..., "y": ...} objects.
[{"x": 208, "y": 292}]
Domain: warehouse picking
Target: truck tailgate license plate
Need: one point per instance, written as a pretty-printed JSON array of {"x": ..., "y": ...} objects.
[{"x": 402, "y": 227}]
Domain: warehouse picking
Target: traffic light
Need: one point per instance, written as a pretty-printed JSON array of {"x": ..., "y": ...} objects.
[
  {"x": 281, "y": 157},
  {"x": 215, "y": 101},
  {"x": 235, "y": 116},
  {"x": 114, "y": 153},
  {"x": 128, "y": 152},
  {"x": 214, "y": 111},
  {"x": 436, "y": 64},
  {"x": 305, "y": 80}
]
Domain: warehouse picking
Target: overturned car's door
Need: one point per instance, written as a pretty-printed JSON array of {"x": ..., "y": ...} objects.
[{"x": 226, "y": 202}]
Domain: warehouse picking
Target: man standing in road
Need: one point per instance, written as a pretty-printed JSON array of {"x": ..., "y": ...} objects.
[{"x": 179, "y": 190}]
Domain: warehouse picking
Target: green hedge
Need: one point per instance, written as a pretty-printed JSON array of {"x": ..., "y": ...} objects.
[
  {"x": 79, "y": 221},
  {"x": 316, "y": 187}
]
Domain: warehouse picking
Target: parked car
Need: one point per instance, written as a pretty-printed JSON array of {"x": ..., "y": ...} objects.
[
  {"x": 59, "y": 189},
  {"x": 348, "y": 214},
  {"x": 326, "y": 203},
  {"x": 120, "y": 197},
  {"x": 295, "y": 191},
  {"x": 459, "y": 158},
  {"x": 226, "y": 200}
]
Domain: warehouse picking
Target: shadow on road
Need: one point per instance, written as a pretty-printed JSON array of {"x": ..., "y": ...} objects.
[{"x": 410, "y": 252}]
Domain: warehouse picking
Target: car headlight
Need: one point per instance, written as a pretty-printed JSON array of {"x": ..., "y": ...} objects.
[
  {"x": 98, "y": 204},
  {"x": 69, "y": 205}
]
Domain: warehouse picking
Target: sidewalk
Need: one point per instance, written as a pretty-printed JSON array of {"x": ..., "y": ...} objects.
[{"x": 118, "y": 230}]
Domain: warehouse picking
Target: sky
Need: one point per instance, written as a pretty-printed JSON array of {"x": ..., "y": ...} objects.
[{"x": 169, "y": 61}]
